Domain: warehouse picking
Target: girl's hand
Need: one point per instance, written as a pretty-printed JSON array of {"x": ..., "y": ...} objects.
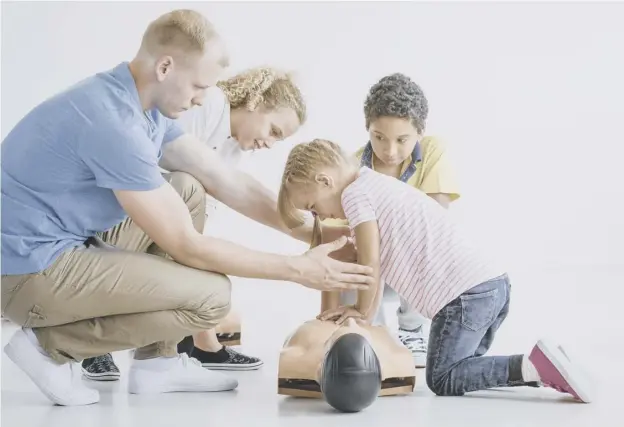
[{"x": 341, "y": 314}]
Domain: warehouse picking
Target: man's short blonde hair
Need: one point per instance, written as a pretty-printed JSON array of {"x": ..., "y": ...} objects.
[{"x": 183, "y": 29}]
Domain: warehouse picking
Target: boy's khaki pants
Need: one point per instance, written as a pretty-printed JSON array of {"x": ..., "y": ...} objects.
[{"x": 97, "y": 298}]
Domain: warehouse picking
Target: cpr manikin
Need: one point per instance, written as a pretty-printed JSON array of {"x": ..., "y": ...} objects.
[{"x": 348, "y": 365}]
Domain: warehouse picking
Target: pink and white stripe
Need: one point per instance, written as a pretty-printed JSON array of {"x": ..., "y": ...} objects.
[{"x": 423, "y": 255}]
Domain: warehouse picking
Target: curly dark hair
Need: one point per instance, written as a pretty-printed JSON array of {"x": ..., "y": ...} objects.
[{"x": 397, "y": 95}]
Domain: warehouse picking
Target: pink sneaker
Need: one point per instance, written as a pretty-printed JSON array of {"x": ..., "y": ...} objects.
[{"x": 557, "y": 371}]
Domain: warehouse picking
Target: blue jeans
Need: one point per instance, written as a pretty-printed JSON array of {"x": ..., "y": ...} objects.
[{"x": 461, "y": 333}]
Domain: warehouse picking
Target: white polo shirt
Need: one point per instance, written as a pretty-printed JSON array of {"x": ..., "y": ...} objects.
[{"x": 211, "y": 124}]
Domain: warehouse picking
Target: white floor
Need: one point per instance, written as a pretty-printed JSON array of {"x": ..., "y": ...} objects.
[{"x": 586, "y": 318}]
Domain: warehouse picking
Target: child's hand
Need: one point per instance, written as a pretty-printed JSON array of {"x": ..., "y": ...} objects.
[{"x": 342, "y": 313}]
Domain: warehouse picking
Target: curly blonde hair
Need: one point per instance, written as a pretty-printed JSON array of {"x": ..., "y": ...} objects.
[
  {"x": 266, "y": 86},
  {"x": 302, "y": 165}
]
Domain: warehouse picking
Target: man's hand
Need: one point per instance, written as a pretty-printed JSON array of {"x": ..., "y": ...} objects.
[
  {"x": 332, "y": 233},
  {"x": 316, "y": 270},
  {"x": 341, "y": 314}
]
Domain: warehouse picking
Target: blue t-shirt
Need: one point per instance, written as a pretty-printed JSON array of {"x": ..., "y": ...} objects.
[{"x": 62, "y": 161}]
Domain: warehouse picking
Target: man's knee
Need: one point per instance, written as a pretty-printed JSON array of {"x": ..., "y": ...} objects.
[
  {"x": 216, "y": 304},
  {"x": 188, "y": 187}
]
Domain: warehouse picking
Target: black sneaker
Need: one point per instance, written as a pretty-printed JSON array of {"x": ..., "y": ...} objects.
[
  {"x": 186, "y": 346},
  {"x": 101, "y": 368},
  {"x": 226, "y": 359}
]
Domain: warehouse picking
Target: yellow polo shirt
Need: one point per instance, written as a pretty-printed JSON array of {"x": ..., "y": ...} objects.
[{"x": 434, "y": 171}]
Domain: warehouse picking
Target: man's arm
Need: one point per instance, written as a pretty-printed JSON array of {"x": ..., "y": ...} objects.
[
  {"x": 233, "y": 188},
  {"x": 164, "y": 217},
  {"x": 162, "y": 214},
  {"x": 367, "y": 238}
]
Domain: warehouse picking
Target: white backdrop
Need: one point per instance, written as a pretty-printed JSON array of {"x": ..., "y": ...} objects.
[{"x": 529, "y": 98}]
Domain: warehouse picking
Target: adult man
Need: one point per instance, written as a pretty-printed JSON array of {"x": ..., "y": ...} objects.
[{"x": 81, "y": 173}]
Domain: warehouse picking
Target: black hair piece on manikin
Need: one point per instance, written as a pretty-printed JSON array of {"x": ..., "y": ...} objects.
[{"x": 351, "y": 377}]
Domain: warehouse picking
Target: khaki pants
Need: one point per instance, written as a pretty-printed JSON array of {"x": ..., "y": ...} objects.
[{"x": 96, "y": 299}]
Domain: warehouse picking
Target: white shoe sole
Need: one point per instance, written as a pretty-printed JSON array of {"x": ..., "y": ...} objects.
[
  {"x": 144, "y": 383},
  {"x": 233, "y": 366},
  {"x": 89, "y": 398},
  {"x": 557, "y": 356},
  {"x": 106, "y": 376}
]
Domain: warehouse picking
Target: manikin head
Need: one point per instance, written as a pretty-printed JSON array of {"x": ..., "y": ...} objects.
[
  {"x": 396, "y": 112},
  {"x": 181, "y": 55},
  {"x": 350, "y": 374},
  {"x": 315, "y": 175},
  {"x": 266, "y": 106}
]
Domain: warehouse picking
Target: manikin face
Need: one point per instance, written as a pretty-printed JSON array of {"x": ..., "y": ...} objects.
[
  {"x": 393, "y": 139},
  {"x": 262, "y": 127},
  {"x": 182, "y": 83},
  {"x": 322, "y": 198}
]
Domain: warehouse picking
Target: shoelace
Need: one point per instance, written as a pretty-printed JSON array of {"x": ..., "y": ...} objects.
[
  {"x": 413, "y": 342},
  {"x": 186, "y": 360}
]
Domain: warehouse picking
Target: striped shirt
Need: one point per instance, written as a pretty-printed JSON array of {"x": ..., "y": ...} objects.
[{"x": 424, "y": 258}]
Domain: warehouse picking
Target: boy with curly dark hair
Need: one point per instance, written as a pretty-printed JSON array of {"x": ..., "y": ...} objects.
[{"x": 395, "y": 113}]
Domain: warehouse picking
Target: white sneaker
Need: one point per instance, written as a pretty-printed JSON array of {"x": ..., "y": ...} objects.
[
  {"x": 61, "y": 383},
  {"x": 416, "y": 341},
  {"x": 180, "y": 374}
]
